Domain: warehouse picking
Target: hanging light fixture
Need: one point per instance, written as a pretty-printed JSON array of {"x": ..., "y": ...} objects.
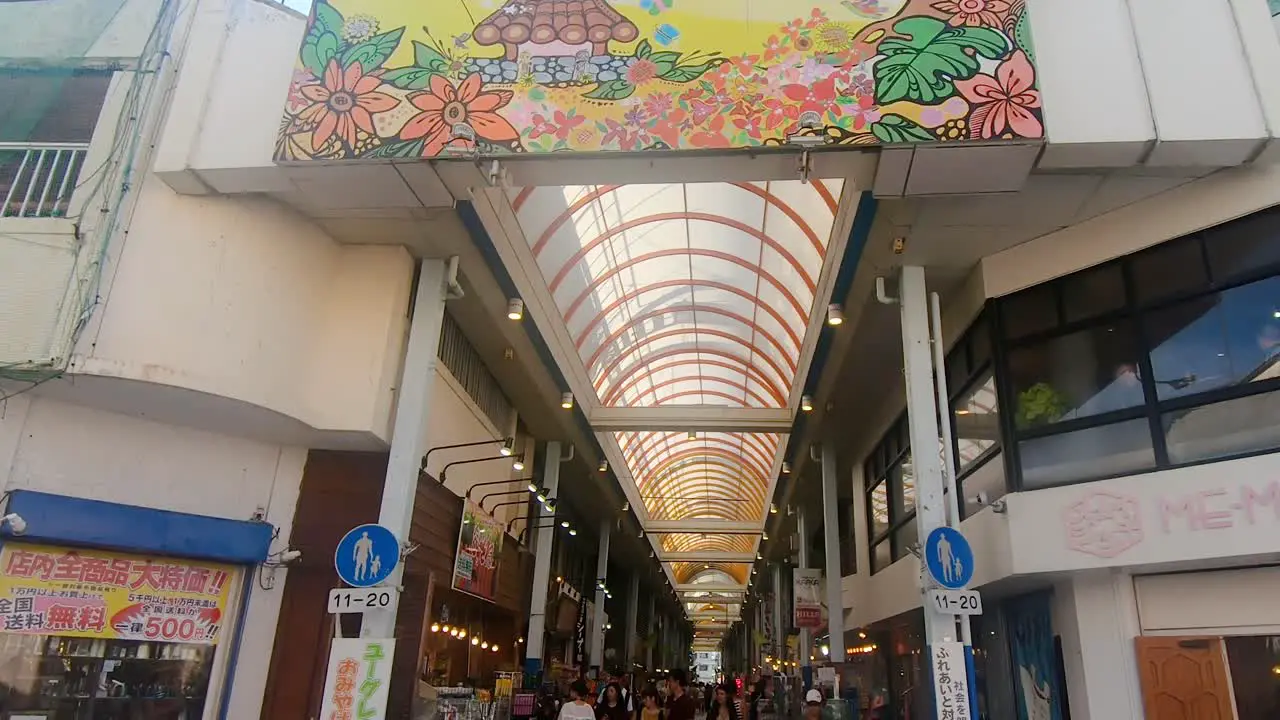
[
  {"x": 462, "y": 634},
  {"x": 786, "y": 468},
  {"x": 604, "y": 466},
  {"x": 566, "y": 401},
  {"x": 508, "y": 447},
  {"x": 533, "y": 487},
  {"x": 764, "y": 535},
  {"x": 515, "y": 309},
  {"x": 494, "y": 647},
  {"x": 773, "y": 508},
  {"x": 835, "y": 315},
  {"x": 435, "y": 627},
  {"x": 518, "y": 464},
  {"x": 564, "y": 524},
  {"x": 476, "y": 641},
  {"x": 445, "y": 628},
  {"x": 573, "y": 532},
  {"x": 806, "y": 403}
]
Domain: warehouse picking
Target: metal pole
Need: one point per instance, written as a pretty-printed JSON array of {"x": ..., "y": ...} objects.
[
  {"x": 652, "y": 621},
  {"x": 948, "y": 440},
  {"x": 922, "y": 421},
  {"x": 633, "y": 602},
  {"x": 831, "y": 540},
  {"x": 546, "y": 534},
  {"x": 779, "y": 645},
  {"x": 602, "y": 572},
  {"x": 409, "y": 429},
  {"x": 806, "y": 635}
]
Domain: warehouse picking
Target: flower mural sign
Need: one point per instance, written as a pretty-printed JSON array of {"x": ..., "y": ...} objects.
[{"x": 393, "y": 79}]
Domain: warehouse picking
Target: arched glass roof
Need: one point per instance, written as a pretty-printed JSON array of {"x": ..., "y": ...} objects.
[{"x": 681, "y": 296}]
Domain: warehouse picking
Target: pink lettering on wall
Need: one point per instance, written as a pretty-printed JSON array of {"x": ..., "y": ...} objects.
[
  {"x": 1103, "y": 524},
  {"x": 1220, "y": 508}
]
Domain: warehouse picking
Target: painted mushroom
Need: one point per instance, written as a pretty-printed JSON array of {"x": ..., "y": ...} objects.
[{"x": 554, "y": 27}]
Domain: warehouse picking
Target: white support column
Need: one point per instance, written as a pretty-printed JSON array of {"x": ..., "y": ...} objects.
[
  {"x": 922, "y": 422},
  {"x": 652, "y": 633},
  {"x": 602, "y": 572},
  {"x": 543, "y": 550},
  {"x": 1096, "y": 615},
  {"x": 409, "y": 429},
  {"x": 633, "y": 602},
  {"x": 831, "y": 541},
  {"x": 805, "y": 644},
  {"x": 779, "y": 645}
]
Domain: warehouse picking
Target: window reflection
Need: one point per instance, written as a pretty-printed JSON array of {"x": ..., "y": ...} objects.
[
  {"x": 1091, "y": 453},
  {"x": 1234, "y": 427},
  {"x": 1073, "y": 376},
  {"x": 977, "y": 423},
  {"x": 879, "y": 510}
]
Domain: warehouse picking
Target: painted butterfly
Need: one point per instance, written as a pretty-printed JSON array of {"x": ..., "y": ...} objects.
[
  {"x": 665, "y": 34},
  {"x": 655, "y": 7},
  {"x": 870, "y": 9}
]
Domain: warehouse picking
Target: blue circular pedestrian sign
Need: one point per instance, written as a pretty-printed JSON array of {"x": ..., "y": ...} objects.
[
  {"x": 366, "y": 555},
  {"x": 949, "y": 558}
]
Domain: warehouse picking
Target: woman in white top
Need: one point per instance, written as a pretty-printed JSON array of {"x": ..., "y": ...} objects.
[{"x": 579, "y": 706}]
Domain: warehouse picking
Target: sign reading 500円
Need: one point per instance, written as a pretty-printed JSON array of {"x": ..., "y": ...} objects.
[{"x": 89, "y": 593}]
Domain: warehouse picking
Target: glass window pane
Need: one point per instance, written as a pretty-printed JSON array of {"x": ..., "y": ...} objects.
[
  {"x": 1030, "y": 311},
  {"x": 1240, "y": 248},
  {"x": 1252, "y": 661},
  {"x": 1093, "y": 292},
  {"x": 878, "y": 510},
  {"x": 977, "y": 422},
  {"x": 903, "y": 538},
  {"x": 902, "y": 486},
  {"x": 881, "y": 556},
  {"x": 980, "y": 342},
  {"x": 1084, "y": 373},
  {"x": 957, "y": 368},
  {"x": 1233, "y": 427},
  {"x": 1174, "y": 267},
  {"x": 983, "y": 486},
  {"x": 1086, "y": 454}
]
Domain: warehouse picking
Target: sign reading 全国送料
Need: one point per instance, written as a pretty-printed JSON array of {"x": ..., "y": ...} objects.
[{"x": 48, "y": 590}]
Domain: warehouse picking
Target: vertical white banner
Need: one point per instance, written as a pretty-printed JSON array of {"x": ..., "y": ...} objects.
[
  {"x": 950, "y": 681},
  {"x": 807, "y": 592},
  {"x": 359, "y": 677}
]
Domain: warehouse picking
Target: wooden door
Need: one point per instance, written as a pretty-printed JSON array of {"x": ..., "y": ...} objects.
[{"x": 1184, "y": 678}]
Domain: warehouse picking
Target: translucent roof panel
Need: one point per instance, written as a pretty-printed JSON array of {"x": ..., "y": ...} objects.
[
  {"x": 688, "y": 542},
  {"x": 684, "y": 294},
  {"x": 707, "y": 475},
  {"x": 711, "y": 573}
]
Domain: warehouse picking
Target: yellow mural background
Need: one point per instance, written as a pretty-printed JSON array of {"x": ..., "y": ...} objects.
[{"x": 395, "y": 79}]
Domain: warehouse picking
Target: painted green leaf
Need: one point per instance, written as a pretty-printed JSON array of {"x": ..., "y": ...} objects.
[
  {"x": 317, "y": 51},
  {"x": 897, "y": 129},
  {"x": 410, "y": 78},
  {"x": 375, "y": 51},
  {"x": 689, "y": 73},
  {"x": 400, "y": 149},
  {"x": 425, "y": 56},
  {"x": 925, "y": 64},
  {"x": 644, "y": 49},
  {"x": 666, "y": 61},
  {"x": 1022, "y": 36},
  {"x": 611, "y": 90},
  {"x": 328, "y": 19}
]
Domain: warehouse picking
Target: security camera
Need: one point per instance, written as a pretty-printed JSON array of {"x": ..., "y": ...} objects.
[
  {"x": 1000, "y": 506},
  {"x": 17, "y": 525},
  {"x": 290, "y": 556}
]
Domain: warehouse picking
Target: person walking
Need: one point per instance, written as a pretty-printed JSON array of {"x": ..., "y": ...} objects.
[
  {"x": 579, "y": 705},
  {"x": 613, "y": 707},
  {"x": 723, "y": 705},
  {"x": 679, "y": 705}
]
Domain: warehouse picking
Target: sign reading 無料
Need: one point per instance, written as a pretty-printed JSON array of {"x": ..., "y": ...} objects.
[
  {"x": 356, "y": 685},
  {"x": 807, "y": 595},
  {"x": 48, "y": 590},
  {"x": 950, "y": 681},
  {"x": 475, "y": 567}
]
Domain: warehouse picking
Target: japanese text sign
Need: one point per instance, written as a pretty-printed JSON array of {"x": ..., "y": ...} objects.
[
  {"x": 950, "y": 681},
  {"x": 807, "y": 588},
  {"x": 359, "y": 675},
  {"x": 475, "y": 568},
  {"x": 90, "y": 593}
]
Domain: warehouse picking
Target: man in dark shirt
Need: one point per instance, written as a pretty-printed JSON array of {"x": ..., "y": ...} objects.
[{"x": 679, "y": 705}]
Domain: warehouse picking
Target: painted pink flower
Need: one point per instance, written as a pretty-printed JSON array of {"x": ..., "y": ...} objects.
[
  {"x": 974, "y": 12},
  {"x": 746, "y": 64},
  {"x": 1006, "y": 102},
  {"x": 773, "y": 48},
  {"x": 864, "y": 112},
  {"x": 642, "y": 71},
  {"x": 445, "y": 107},
  {"x": 777, "y": 112},
  {"x": 343, "y": 102},
  {"x": 559, "y": 125},
  {"x": 657, "y": 105},
  {"x": 819, "y": 97}
]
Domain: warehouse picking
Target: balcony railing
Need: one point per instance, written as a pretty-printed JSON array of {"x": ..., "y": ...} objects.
[{"x": 37, "y": 179}]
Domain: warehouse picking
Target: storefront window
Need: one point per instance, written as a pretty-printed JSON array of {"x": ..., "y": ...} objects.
[
  {"x": 1157, "y": 359},
  {"x": 1254, "y": 663},
  {"x": 91, "y": 635}
]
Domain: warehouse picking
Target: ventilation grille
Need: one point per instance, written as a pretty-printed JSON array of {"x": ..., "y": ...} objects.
[{"x": 457, "y": 354}]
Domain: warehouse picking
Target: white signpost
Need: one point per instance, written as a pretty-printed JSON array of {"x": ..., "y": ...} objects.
[
  {"x": 358, "y": 679},
  {"x": 950, "y": 681}
]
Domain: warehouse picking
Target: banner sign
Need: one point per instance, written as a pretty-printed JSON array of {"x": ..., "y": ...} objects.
[
  {"x": 580, "y": 637},
  {"x": 950, "y": 681},
  {"x": 475, "y": 567},
  {"x": 48, "y": 590},
  {"x": 806, "y": 596},
  {"x": 359, "y": 676}
]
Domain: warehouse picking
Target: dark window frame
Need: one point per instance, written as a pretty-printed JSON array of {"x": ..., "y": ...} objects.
[{"x": 1136, "y": 312}]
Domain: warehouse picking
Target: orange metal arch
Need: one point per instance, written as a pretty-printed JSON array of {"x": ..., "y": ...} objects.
[
  {"x": 609, "y": 369},
  {"x": 719, "y": 508},
  {"x": 568, "y": 213},
  {"x": 672, "y": 443},
  {"x": 745, "y": 463},
  {"x": 737, "y": 571},
  {"x": 722, "y": 543},
  {"x": 706, "y": 393},
  {"x": 694, "y": 283},
  {"x": 670, "y": 252},
  {"x": 743, "y": 457},
  {"x": 652, "y": 390},
  {"x": 827, "y": 197},
  {"x": 686, "y": 216},
  {"x": 748, "y": 370},
  {"x": 790, "y": 212},
  {"x": 691, "y": 484},
  {"x": 692, "y": 308}
]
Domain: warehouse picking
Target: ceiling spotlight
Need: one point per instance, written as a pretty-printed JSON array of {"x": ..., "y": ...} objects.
[
  {"x": 835, "y": 315},
  {"x": 573, "y": 532},
  {"x": 518, "y": 464},
  {"x": 764, "y": 535},
  {"x": 515, "y": 309},
  {"x": 773, "y": 508},
  {"x": 550, "y": 506},
  {"x": 508, "y": 447},
  {"x": 604, "y": 466},
  {"x": 693, "y": 435},
  {"x": 542, "y": 497},
  {"x": 759, "y": 556},
  {"x": 641, "y": 534},
  {"x": 566, "y": 401},
  {"x": 806, "y": 403},
  {"x": 786, "y": 468},
  {"x": 564, "y": 524},
  {"x": 533, "y": 487}
]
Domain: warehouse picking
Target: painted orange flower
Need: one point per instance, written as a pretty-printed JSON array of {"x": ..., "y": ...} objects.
[
  {"x": 445, "y": 108},
  {"x": 974, "y": 12},
  {"x": 1005, "y": 102},
  {"x": 343, "y": 102}
]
